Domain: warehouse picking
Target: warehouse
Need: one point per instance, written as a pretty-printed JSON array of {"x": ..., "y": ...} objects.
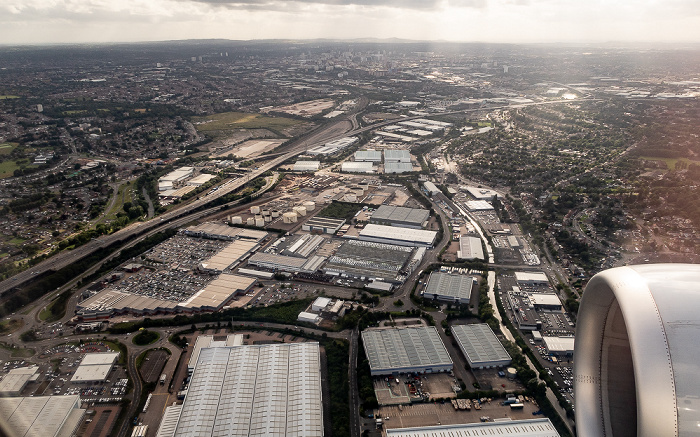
[
  {"x": 546, "y": 301},
  {"x": 559, "y": 345},
  {"x": 470, "y": 248},
  {"x": 514, "y": 242},
  {"x": 95, "y": 367},
  {"x": 531, "y": 278},
  {"x": 326, "y": 225},
  {"x": 218, "y": 293},
  {"x": 228, "y": 256},
  {"x": 368, "y": 156},
  {"x": 272, "y": 389},
  {"x": 218, "y": 231},
  {"x": 449, "y": 287},
  {"x": 41, "y": 416},
  {"x": 358, "y": 167},
  {"x": 320, "y": 304},
  {"x": 171, "y": 179},
  {"x": 478, "y": 205},
  {"x": 168, "y": 423},
  {"x": 398, "y": 167},
  {"x": 402, "y": 350},
  {"x": 396, "y": 155},
  {"x": 200, "y": 180},
  {"x": 480, "y": 193},
  {"x": 368, "y": 260},
  {"x": 431, "y": 188},
  {"x": 205, "y": 341},
  {"x": 400, "y": 216},
  {"x": 108, "y": 302},
  {"x": 504, "y": 428},
  {"x": 306, "y": 166},
  {"x": 480, "y": 346},
  {"x": 398, "y": 236},
  {"x": 333, "y": 146},
  {"x": 286, "y": 263},
  {"x": 14, "y": 382},
  {"x": 307, "y": 317},
  {"x": 301, "y": 245},
  {"x": 525, "y": 315}
]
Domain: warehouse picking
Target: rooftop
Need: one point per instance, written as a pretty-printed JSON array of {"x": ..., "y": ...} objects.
[
  {"x": 512, "y": 428},
  {"x": 413, "y": 216},
  {"x": 479, "y": 344},
  {"x": 450, "y": 285},
  {"x": 255, "y": 390},
  {"x": 397, "y": 348}
]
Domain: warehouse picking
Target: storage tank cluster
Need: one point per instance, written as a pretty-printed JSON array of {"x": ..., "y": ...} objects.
[
  {"x": 309, "y": 205},
  {"x": 236, "y": 220},
  {"x": 299, "y": 210},
  {"x": 289, "y": 217},
  {"x": 255, "y": 210}
]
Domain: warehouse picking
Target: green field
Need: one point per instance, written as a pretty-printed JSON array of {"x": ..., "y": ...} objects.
[
  {"x": 7, "y": 169},
  {"x": 7, "y": 148},
  {"x": 6, "y": 97},
  {"x": 124, "y": 194},
  {"x": 227, "y": 121},
  {"x": 670, "y": 162}
]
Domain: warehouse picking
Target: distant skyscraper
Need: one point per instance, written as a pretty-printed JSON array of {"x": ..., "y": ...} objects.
[{"x": 637, "y": 356}]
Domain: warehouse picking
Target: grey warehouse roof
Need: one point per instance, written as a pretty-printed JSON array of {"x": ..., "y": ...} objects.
[
  {"x": 40, "y": 416},
  {"x": 394, "y": 349},
  {"x": 386, "y": 213},
  {"x": 255, "y": 390},
  {"x": 480, "y": 345},
  {"x": 449, "y": 285}
]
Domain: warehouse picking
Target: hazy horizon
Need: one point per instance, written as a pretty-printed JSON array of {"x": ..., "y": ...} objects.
[{"x": 487, "y": 21}]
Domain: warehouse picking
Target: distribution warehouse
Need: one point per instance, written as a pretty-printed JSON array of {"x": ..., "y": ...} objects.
[
  {"x": 398, "y": 236},
  {"x": 40, "y": 416},
  {"x": 480, "y": 346},
  {"x": 402, "y": 350},
  {"x": 253, "y": 390},
  {"x": 449, "y": 287},
  {"x": 400, "y": 216}
]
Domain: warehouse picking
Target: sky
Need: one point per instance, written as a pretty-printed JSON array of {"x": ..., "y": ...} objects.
[{"x": 498, "y": 21}]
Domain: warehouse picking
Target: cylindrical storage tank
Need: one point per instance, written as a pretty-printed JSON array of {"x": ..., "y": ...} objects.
[
  {"x": 275, "y": 213},
  {"x": 511, "y": 372},
  {"x": 255, "y": 210},
  {"x": 250, "y": 221},
  {"x": 309, "y": 205},
  {"x": 259, "y": 222},
  {"x": 289, "y": 217},
  {"x": 300, "y": 210},
  {"x": 267, "y": 218},
  {"x": 236, "y": 220},
  {"x": 265, "y": 212},
  {"x": 258, "y": 217}
]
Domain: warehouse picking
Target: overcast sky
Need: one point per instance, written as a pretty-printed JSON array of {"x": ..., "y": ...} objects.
[{"x": 57, "y": 21}]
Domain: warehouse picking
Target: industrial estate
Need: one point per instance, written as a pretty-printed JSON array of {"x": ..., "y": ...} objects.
[{"x": 343, "y": 239}]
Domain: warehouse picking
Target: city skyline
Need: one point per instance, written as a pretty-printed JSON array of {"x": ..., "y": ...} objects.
[{"x": 500, "y": 21}]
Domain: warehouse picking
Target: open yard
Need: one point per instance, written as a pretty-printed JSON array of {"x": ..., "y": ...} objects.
[
  {"x": 220, "y": 124},
  {"x": 670, "y": 162},
  {"x": 7, "y": 148},
  {"x": 7, "y": 169}
]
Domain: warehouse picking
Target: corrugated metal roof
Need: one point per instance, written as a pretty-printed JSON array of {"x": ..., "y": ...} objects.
[
  {"x": 254, "y": 391},
  {"x": 449, "y": 285},
  {"x": 515, "y": 428},
  {"x": 479, "y": 344},
  {"x": 397, "y": 348}
]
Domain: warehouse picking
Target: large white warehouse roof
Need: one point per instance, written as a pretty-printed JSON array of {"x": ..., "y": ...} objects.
[
  {"x": 396, "y": 235},
  {"x": 480, "y": 345},
  {"x": 512, "y": 428},
  {"x": 255, "y": 390}
]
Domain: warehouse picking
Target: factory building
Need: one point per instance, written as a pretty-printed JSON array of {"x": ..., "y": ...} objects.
[
  {"x": 392, "y": 351},
  {"x": 218, "y": 231},
  {"x": 174, "y": 178},
  {"x": 334, "y": 146},
  {"x": 217, "y": 293},
  {"x": 559, "y": 345},
  {"x": 95, "y": 367},
  {"x": 398, "y": 167},
  {"x": 368, "y": 156},
  {"x": 394, "y": 155},
  {"x": 286, "y": 263},
  {"x": 14, "y": 382},
  {"x": 470, "y": 248},
  {"x": 431, "y": 188},
  {"x": 41, "y": 416},
  {"x": 308, "y": 317},
  {"x": 400, "y": 216},
  {"x": 478, "y": 205},
  {"x": 358, "y": 167},
  {"x": 449, "y": 287},
  {"x": 368, "y": 260},
  {"x": 480, "y": 193},
  {"x": 200, "y": 180},
  {"x": 306, "y": 166},
  {"x": 326, "y": 225},
  {"x": 480, "y": 346},
  {"x": 398, "y": 236},
  {"x": 505, "y": 428},
  {"x": 228, "y": 257},
  {"x": 205, "y": 341},
  {"x": 531, "y": 278},
  {"x": 252, "y": 390},
  {"x": 546, "y": 301}
]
